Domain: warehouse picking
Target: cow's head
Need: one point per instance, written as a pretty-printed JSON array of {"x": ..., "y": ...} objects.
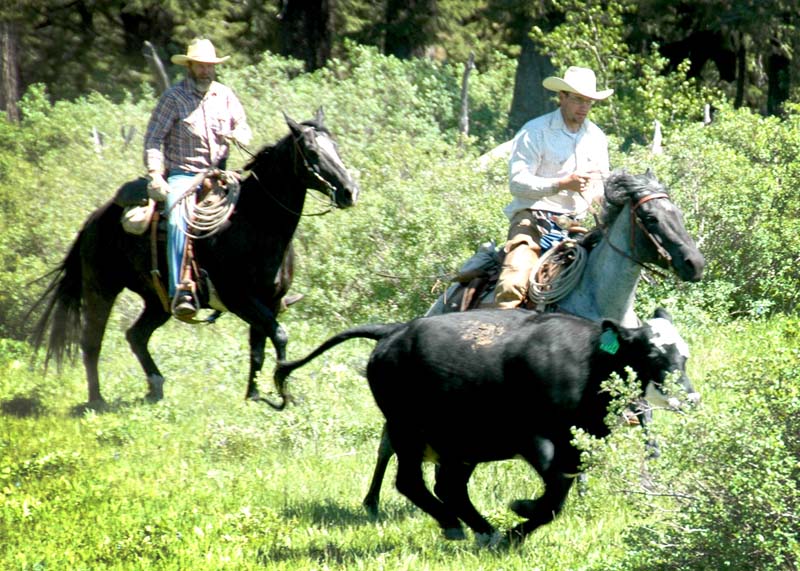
[{"x": 657, "y": 353}]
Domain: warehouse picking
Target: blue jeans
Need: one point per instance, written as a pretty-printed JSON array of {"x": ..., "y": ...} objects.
[{"x": 179, "y": 182}]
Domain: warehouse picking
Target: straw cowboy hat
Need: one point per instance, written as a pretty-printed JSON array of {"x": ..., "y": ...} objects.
[
  {"x": 580, "y": 80},
  {"x": 201, "y": 51}
]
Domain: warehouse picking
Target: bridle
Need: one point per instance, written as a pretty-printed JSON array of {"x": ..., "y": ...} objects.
[
  {"x": 329, "y": 189},
  {"x": 637, "y": 222}
]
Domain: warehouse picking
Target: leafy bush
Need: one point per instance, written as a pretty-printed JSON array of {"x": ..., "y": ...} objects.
[
  {"x": 734, "y": 475},
  {"x": 735, "y": 181}
]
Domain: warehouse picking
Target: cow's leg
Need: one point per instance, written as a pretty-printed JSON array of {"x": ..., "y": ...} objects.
[
  {"x": 543, "y": 509},
  {"x": 385, "y": 453},
  {"x": 138, "y": 337},
  {"x": 451, "y": 487},
  {"x": 411, "y": 484},
  {"x": 97, "y": 308},
  {"x": 542, "y": 456},
  {"x": 645, "y": 415}
]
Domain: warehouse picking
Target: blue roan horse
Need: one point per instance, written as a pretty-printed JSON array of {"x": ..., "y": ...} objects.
[
  {"x": 640, "y": 225},
  {"x": 249, "y": 262}
]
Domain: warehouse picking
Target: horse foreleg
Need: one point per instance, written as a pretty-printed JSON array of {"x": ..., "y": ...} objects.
[
  {"x": 263, "y": 325},
  {"x": 258, "y": 341},
  {"x": 138, "y": 337}
]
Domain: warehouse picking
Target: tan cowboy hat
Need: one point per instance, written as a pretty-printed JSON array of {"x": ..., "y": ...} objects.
[
  {"x": 580, "y": 80},
  {"x": 201, "y": 51}
]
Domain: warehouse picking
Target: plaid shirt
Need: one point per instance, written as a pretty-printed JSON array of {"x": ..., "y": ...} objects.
[{"x": 187, "y": 129}]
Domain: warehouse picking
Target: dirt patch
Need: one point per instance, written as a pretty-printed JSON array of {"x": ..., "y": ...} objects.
[{"x": 482, "y": 334}]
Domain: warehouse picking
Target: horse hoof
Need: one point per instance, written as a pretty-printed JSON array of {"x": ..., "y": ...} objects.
[
  {"x": 155, "y": 385},
  {"x": 454, "y": 534},
  {"x": 371, "y": 508}
]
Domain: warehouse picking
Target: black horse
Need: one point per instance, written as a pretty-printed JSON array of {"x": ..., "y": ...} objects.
[{"x": 249, "y": 262}]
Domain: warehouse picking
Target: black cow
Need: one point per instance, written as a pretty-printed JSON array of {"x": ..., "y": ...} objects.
[{"x": 479, "y": 386}]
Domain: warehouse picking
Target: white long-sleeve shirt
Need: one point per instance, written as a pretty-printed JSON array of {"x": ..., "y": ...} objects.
[{"x": 545, "y": 151}]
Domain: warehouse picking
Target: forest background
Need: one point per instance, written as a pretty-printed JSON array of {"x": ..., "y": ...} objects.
[{"x": 206, "y": 481}]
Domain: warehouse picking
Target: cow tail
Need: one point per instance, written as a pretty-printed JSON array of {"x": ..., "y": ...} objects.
[
  {"x": 374, "y": 332},
  {"x": 59, "y": 324}
]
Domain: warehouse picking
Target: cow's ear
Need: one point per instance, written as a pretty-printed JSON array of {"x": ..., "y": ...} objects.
[{"x": 661, "y": 313}]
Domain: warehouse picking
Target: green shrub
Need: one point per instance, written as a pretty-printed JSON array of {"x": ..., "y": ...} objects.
[{"x": 734, "y": 475}]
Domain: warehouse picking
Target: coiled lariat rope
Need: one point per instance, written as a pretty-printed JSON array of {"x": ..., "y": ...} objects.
[
  {"x": 205, "y": 218},
  {"x": 557, "y": 272}
]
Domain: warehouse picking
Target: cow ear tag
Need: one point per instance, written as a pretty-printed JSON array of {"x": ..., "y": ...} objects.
[{"x": 609, "y": 342}]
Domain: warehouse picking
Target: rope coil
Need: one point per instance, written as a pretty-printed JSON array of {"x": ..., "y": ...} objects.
[
  {"x": 557, "y": 272},
  {"x": 205, "y": 218}
]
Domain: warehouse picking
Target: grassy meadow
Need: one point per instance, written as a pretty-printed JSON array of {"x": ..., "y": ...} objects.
[{"x": 205, "y": 480}]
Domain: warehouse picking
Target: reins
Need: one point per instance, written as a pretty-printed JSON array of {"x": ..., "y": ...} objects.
[
  {"x": 635, "y": 221},
  {"x": 331, "y": 190}
]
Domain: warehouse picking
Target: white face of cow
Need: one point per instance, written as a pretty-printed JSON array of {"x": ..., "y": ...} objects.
[{"x": 672, "y": 352}]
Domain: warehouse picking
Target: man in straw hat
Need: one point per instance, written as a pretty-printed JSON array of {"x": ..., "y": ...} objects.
[
  {"x": 189, "y": 131},
  {"x": 555, "y": 172}
]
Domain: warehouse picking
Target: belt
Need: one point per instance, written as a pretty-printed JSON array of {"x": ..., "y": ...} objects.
[{"x": 563, "y": 220}]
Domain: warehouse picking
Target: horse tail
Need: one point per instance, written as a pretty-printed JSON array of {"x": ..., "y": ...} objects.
[
  {"x": 59, "y": 325},
  {"x": 374, "y": 332}
]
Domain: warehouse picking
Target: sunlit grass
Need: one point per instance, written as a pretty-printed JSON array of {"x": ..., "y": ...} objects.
[{"x": 205, "y": 480}]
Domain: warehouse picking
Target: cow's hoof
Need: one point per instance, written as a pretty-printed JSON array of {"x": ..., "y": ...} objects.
[
  {"x": 155, "y": 385},
  {"x": 514, "y": 537},
  {"x": 523, "y": 508},
  {"x": 490, "y": 540},
  {"x": 454, "y": 533}
]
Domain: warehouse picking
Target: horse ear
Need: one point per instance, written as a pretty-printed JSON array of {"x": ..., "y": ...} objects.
[
  {"x": 319, "y": 116},
  {"x": 293, "y": 125}
]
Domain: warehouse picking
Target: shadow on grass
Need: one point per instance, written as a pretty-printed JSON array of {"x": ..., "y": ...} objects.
[
  {"x": 103, "y": 407},
  {"x": 331, "y": 512},
  {"x": 23, "y": 406}
]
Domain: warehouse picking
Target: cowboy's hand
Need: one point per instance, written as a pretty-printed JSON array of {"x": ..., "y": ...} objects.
[
  {"x": 157, "y": 188},
  {"x": 576, "y": 182}
]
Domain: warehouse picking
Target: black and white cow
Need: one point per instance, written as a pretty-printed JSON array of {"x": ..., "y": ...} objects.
[{"x": 479, "y": 386}]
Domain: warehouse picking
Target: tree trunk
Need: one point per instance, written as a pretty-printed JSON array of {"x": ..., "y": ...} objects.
[
  {"x": 410, "y": 27},
  {"x": 156, "y": 66},
  {"x": 9, "y": 70},
  {"x": 463, "y": 119},
  {"x": 306, "y": 31},
  {"x": 741, "y": 73},
  {"x": 778, "y": 69},
  {"x": 530, "y": 98}
]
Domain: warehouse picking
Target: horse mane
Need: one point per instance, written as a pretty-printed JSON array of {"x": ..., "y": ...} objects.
[
  {"x": 621, "y": 187},
  {"x": 265, "y": 151}
]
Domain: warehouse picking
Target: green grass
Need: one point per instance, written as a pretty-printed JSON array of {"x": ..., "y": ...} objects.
[{"x": 204, "y": 480}]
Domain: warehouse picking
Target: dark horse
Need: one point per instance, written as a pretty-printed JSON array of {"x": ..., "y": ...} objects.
[
  {"x": 640, "y": 225},
  {"x": 249, "y": 262}
]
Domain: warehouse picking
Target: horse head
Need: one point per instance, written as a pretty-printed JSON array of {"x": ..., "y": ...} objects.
[
  {"x": 323, "y": 168},
  {"x": 658, "y": 233}
]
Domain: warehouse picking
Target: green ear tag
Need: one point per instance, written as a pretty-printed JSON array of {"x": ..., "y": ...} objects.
[{"x": 609, "y": 342}]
